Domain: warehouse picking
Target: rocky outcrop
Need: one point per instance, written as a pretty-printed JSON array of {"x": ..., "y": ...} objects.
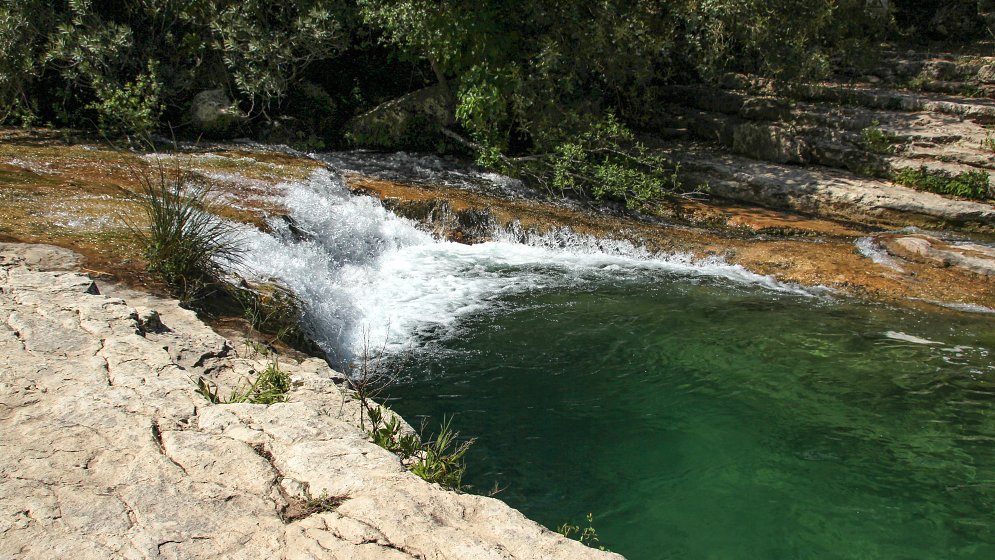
[
  {"x": 410, "y": 120},
  {"x": 828, "y": 192},
  {"x": 975, "y": 258},
  {"x": 213, "y": 114},
  {"x": 108, "y": 451}
]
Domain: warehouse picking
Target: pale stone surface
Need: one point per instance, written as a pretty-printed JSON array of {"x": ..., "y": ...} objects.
[
  {"x": 972, "y": 257},
  {"x": 108, "y": 451},
  {"x": 828, "y": 192}
]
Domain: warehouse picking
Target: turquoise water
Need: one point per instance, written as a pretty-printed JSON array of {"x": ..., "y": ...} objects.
[{"x": 701, "y": 419}]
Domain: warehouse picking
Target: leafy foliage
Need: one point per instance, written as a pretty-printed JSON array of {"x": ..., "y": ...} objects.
[
  {"x": 132, "y": 109},
  {"x": 125, "y": 56},
  {"x": 875, "y": 140},
  {"x": 267, "y": 45},
  {"x": 607, "y": 162},
  {"x": 969, "y": 184},
  {"x": 556, "y": 80},
  {"x": 439, "y": 460},
  {"x": 21, "y": 22}
]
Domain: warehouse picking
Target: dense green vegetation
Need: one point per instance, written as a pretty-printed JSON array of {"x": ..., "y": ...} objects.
[
  {"x": 548, "y": 90},
  {"x": 969, "y": 184}
]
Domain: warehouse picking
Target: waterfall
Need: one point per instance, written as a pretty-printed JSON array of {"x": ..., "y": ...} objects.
[{"x": 368, "y": 278}]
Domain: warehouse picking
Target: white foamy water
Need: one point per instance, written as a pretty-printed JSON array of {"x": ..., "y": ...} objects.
[
  {"x": 869, "y": 248},
  {"x": 367, "y": 276}
]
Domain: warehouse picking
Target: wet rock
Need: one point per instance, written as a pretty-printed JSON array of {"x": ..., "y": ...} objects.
[
  {"x": 467, "y": 225},
  {"x": 974, "y": 258},
  {"x": 272, "y": 308}
]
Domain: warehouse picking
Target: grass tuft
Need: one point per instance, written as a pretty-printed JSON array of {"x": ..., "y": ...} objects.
[{"x": 185, "y": 242}]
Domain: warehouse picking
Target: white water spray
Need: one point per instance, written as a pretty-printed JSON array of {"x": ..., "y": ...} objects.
[{"x": 367, "y": 276}]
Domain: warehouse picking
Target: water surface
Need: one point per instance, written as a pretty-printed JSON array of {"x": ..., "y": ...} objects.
[{"x": 701, "y": 419}]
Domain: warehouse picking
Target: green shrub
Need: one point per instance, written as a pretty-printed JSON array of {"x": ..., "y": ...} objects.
[
  {"x": 133, "y": 109},
  {"x": 185, "y": 244},
  {"x": 438, "y": 460},
  {"x": 607, "y": 162},
  {"x": 969, "y": 184},
  {"x": 875, "y": 140}
]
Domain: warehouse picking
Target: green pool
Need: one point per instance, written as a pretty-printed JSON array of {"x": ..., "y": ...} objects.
[{"x": 703, "y": 419}]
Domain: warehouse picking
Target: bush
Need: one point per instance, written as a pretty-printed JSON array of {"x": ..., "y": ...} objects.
[
  {"x": 607, "y": 162},
  {"x": 438, "y": 460},
  {"x": 969, "y": 184},
  {"x": 133, "y": 109},
  {"x": 875, "y": 140},
  {"x": 185, "y": 244}
]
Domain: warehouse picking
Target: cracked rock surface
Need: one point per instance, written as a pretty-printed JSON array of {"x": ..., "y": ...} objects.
[{"x": 108, "y": 451}]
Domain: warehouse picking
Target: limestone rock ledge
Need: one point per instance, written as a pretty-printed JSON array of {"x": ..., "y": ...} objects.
[{"x": 108, "y": 451}]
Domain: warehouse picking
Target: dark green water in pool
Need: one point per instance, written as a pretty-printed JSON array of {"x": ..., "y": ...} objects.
[{"x": 703, "y": 420}]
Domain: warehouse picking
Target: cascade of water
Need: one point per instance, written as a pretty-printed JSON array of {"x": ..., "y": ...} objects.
[{"x": 368, "y": 278}]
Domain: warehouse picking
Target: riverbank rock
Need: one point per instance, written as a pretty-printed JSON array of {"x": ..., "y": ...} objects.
[
  {"x": 971, "y": 257},
  {"x": 412, "y": 120},
  {"x": 213, "y": 114},
  {"x": 109, "y": 451}
]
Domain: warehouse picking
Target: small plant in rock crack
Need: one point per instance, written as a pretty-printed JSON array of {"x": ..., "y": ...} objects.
[
  {"x": 306, "y": 506},
  {"x": 439, "y": 459},
  {"x": 586, "y": 535},
  {"x": 321, "y": 504},
  {"x": 387, "y": 433},
  {"x": 271, "y": 386},
  {"x": 988, "y": 143}
]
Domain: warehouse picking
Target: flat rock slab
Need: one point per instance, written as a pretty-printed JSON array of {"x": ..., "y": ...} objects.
[
  {"x": 972, "y": 257},
  {"x": 108, "y": 451}
]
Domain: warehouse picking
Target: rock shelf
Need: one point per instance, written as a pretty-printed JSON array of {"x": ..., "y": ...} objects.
[{"x": 108, "y": 451}]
